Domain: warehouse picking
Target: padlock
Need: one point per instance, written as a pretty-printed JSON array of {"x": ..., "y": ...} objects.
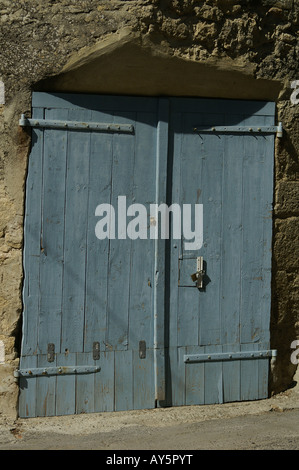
[{"x": 199, "y": 275}]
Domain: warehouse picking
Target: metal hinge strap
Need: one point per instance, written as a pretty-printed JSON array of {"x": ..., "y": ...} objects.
[
  {"x": 229, "y": 356},
  {"x": 87, "y": 126},
  {"x": 62, "y": 370},
  {"x": 242, "y": 129}
]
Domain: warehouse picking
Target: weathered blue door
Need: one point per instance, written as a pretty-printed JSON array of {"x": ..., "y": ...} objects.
[
  {"x": 218, "y": 335},
  {"x": 112, "y": 318}
]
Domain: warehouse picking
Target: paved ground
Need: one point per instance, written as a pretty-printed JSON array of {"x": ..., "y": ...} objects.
[{"x": 270, "y": 424}]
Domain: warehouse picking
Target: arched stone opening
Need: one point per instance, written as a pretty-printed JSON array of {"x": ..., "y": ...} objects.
[{"x": 125, "y": 63}]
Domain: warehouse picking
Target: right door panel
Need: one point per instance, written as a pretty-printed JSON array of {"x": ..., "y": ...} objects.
[{"x": 230, "y": 174}]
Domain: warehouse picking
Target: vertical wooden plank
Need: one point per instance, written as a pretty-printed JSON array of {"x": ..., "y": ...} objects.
[
  {"x": 32, "y": 231},
  {"x": 161, "y": 332},
  {"x": 189, "y": 166},
  {"x": 76, "y": 208},
  {"x": 231, "y": 240},
  {"x": 212, "y": 155},
  {"x": 66, "y": 386},
  {"x": 253, "y": 238},
  {"x": 123, "y": 380},
  {"x": 265, "y": 304},
  {"x": 52, "y": 235},
  {"x": 100, "y": 185},
  {"x": 85, "y": 385},
  {"x": 27, "y": 397},
  {"x": 188, "y": 313},
  {"x": 213, "y": 377},
  {"x": 263, "y": 376},
  {"x": 143, "y": 380},
  {"x": 104, "y": 383},
  {"x": 195, "y": 379},
  {"x": 176, "y": 377},
  {"x": 267, "y": 246},
  {"x": 141, "y": 294},
  {"x": 249, "y": 374},
  {"x": 45, "y": 389},
  {"x": 256, "y": 275},
  {"x": 173, "y": 247},
  {"x": 120, "y": 249},
  {"x": 231, "y": 375},
  {"x": 142, "y": 280}
]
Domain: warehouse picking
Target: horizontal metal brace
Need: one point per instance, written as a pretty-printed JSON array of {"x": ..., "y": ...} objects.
[
  {"x": 87, "y": 126},
  {"x": 229, "y": 356},
  {"x": 47, "y": 371},
  {"x": 242, "y": 129}
]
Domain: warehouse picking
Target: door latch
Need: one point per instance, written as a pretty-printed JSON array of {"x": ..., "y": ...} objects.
[{"x": 199, "y": 275}]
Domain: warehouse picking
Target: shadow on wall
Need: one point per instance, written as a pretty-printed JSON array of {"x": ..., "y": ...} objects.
[{"x": 127, "y": 64}]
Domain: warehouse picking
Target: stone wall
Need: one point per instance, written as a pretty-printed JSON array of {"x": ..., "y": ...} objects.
[{"x": 222, "y": 48}]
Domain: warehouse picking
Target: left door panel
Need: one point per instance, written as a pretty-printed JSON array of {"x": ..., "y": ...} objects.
[{"x": 89, "y": 300}]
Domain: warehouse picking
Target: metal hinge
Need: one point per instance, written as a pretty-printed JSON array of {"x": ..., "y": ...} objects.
[
  {"x": 87, "y": 126},
  {"x": 60, "y": 370},
  {"x": 229, "y": 356},
  {"x": 278, "y": 130}
]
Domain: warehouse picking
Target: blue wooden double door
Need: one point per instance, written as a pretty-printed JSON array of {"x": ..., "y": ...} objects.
[{"x": 112, "y": 318}]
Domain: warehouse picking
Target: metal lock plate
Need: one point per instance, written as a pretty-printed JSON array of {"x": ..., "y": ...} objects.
[
  {"x": 96, "y": 351},
  {"x": 199, "y": 275},
  {"x": 51, "y": 352},
  {"x": 199, "y": 282},
  {"x": 142, "y": 349},
  {"x": 199, "y": 264}
]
